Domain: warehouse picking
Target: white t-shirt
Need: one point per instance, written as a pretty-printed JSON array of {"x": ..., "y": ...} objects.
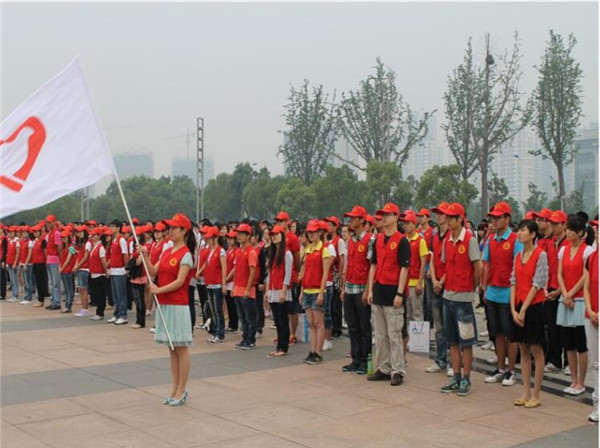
[
  {"x": 124, "y": 251},
  {"x": 586, "y": 253},
  {"x": 332, "y": 254}
]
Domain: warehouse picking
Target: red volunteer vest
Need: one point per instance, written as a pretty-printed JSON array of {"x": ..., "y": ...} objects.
[
  {"x": 155, "y": 251},
  {"x": 230, "y": 258},
  {"x": 459, "y": 269},
  {"x": 257, "y": 275},
  {"x": 292, "y": 243},
  {"x": 38, "y": 256},
  {"x": 2, "y": 238},
  {"x": 524, "y": 274},
  {"x": 415, "y": 258},
  {"x": 544, "y": 243},
  {"x": 572, "y": 269},
  {"x": 358, "y": 265},
  {"x": 593, "y": 271},
  {"x": 501, "y": 260},
  {"x": 116, "y": 255},
  {"x": 388, "y": 268},
  {"x": 81, "y": 255},
  {"x": 11, "y": 252},
  {"x": 437, "y": 242},
  {"x": 277, "y": 275},
  {"x": 24, "y": 250},
  {"x": 168, "y": 270},
  {"x": 242, "y": 269},
  {"x": 212, "y": 273},
  {"x": 96, "y": 266},
  {"x": 63, "y": 257},
  {"x": 51, "y": 247},
  {"x": 552, "y": 252},
  {"x": 313, "y": 269}
]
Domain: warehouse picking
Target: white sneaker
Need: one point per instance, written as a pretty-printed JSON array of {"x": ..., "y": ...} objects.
[
  {"x": 82, "y": 313},
  {"x": 121, "y": 321},
  {"x": 152, "y": 330},
  {"x": 487, "y": 346},
  {"x": 450, "y": 372},
  {"x": 593, "y": 417},
  {"x": 25, "y": 302},
  {"x": 483, "y": 334},
  {"x": 510, "y": 379},
  {"x": 12, "y": 300},
  {"x": 112, "y": 320},
  {"x": 492, "y": 360},
  {"x": 96, "y": 317},
  {"x": 495, "y": 377},
  {"x": 433, "y": 368},
  {"x": 327, "y": 345},
  {"x": 551, "y": 368},
  {"x": 567, "y": 371}
]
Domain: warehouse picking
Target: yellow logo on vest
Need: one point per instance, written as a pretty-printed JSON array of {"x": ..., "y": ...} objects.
[
  {"x": 506, "y": 245},
  {"x": 461, "y": 249},
  {"x": 173, "y": 262},
  {"x": 361, "y": 248},
  {"x": 393, "y": 245}
]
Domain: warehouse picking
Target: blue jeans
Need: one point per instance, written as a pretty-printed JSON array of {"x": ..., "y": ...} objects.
[
  {"x": 118, "y": 285},
  {"x": 441, "y": 347},
  {"x": 215, "y": 299},
  {"x": 54, "y": 277},
  {"x": 14, "y": 280},
  {"x": 247, "y": 314},
  {"x": 27, "y": 271},
  {"x": 459, "y": 323},
  {"x": 67, "y": 281}
]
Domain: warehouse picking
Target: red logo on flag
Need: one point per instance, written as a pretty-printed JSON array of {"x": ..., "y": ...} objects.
[{"x": 34, "y": 146}]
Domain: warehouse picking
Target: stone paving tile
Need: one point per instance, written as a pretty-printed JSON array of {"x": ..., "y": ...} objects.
[
  {"x": 338, "y": 404},
  {"x": 584, "y": 436},
  {"x": 109, "y": 401},
  {"x": 153, "y": 414},
  {"x": 42, "y": 410},
  {"x": 257, "y": 441},
  {"x": 128, "y": 439},
  {"x": 13, "y": 437},
  {"x": 272, "y": 417}
]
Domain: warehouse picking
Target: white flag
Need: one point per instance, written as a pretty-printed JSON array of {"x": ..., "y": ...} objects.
[{"x": 51, "y": 145}]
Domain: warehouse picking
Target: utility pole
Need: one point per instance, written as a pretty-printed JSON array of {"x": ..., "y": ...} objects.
[{"x": 200, "y": 169}]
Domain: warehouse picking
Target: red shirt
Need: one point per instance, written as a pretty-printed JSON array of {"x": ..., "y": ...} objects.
[
  {"x": 592, "y": 267},
  {"x": 168, "y": 271},
  {"x": 524, "y": 274},
  {"x": 244, "y": 259},
  {"x": 415, "y": 258}
]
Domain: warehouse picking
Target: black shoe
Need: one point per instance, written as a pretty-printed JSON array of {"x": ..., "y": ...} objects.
[
  {"x": 336, "y": 334},
  {"x": 316, "y": 359},
  {"x": 240, "y": 345},
  {"x": 396, "y": 379},
  {"x": 379, "y": 376},
  {"x": 362, "y": 369},
  {"x": 308, "y": 358},
  {"x": 53, "y": 307},
  {"x": 350, "y": 368}
]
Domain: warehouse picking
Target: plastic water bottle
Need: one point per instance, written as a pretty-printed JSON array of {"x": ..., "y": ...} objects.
[{"x": 370, "y": 365}]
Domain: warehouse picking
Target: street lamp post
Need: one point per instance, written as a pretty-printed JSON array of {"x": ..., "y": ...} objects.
[{"x": 200, "y": 169}]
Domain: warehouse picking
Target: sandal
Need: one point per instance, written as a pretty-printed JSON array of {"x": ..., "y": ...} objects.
[
  {"x": 533, "y": 404},
  {"x": 520, "y": 402},
  {"x": 280, "y": 353}
]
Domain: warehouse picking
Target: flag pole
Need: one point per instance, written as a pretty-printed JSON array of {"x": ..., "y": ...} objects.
[{"x": 137, "y": 241}]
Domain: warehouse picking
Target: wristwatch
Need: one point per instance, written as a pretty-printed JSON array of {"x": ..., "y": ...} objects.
[{"x": 400, "y": 294}]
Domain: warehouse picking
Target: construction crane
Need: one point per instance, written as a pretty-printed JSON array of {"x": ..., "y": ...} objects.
[{"x": 188, "y": 141}]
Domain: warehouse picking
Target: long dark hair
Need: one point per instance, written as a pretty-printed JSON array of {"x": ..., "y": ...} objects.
[
  {"x": 80, "y": 242},
  {"x": 277, "y": 252},
  {"x": 190, "y": 241}
]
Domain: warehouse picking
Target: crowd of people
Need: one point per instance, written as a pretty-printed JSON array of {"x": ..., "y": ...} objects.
[{"x": 536, "y": 281}]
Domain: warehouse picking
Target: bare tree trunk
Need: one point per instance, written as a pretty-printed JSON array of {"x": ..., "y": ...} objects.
[
  {"x": 561, "y": 186},
  {"x": 485, "y": 201},
  {"x": 484, "y": 164}
]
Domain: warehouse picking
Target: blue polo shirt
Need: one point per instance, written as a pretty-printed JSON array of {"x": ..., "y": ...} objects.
[{"x": 497, "y": 293}]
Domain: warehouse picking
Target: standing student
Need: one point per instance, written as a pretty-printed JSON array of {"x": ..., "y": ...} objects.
[
  {"x": 215, "y": 273},
  {"x": 545, "y": 238},
  {"x": 527, "y": 295},
  {"x": 314, "y": 274},
  {"x": 119, "y": 257},
  {"x": 12, "y": 262},
  {"x": 138, "y": 279},
  {"x": 357, "y": 309},
  {"x": 246, "y": 263},
  {"x": 259, "y": 280},
  {"x": 3, "y": 271},
  {"x": 571, "y": 308},
  {"x": 263, "y": 258},
  {"x": 338, "y": 274},
  {"x": 82, "y": 268},
  {"x": 437, "y": 271},
  {"x": 68, "y": 258},
  {"x": 388, "y": 289},
  {"x": 53, "y": 251},
  {"x": 25, "y": 264},
  {"x": 98, "y": 272},
  {"x": 499, "y": 254},
  {"x": 202, "y": 255},
  {"x": 416, "y": 271},
  {"x": 280, "y": 261},
  {"x": 426, "y": 231},
  {"x": 590, "y": 292},
  {"x": 461, "y": 258},
  {"x": 329, "y": 287},
  {"x": 171, "y": 289},
  {"x": 230, "y": 256},
  {"x": 40, "y": 272}
]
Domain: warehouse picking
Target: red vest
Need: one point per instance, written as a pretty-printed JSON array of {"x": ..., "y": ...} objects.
[
  {"x": 63, "y": 257},
  {"x": 313, "y": 269},
  {"x": 212, "y": 273},
  {"x": 437, "y": 242},
  {"x": 81, "y": 254},
  {"x": 24, "y": 242},
  {"x": 544, "y": 243},
  {"x": 336, "y": 263},
  {"x": 572, "y": 269},
  {"x": 593, "y": 271},
  {"x": 168, "y": 271},
  {"x": 257, "y": 275},
  {"x": 501, "y": 260},
  {"x": 96, "y": 266},
  {"x": 524, "y": 274},
  {"x": 292, "y": 243},
  {"x": 155, "y": 251},
  {"x": 388, "y": 268},
  {"x": 230, "y": 258},
  {"x": 38, "y": 256},
  {"x": 415, "y": 258},
  {"x": 552, "y": 252},
  {"x": 11, "y": 252},
  {"x": 277, "y": 275},
  {"x": 459, "y": 269},
  {"x": 242, "y": 269},
  {"x": 116, "y": 255},
  {"x": 51, "y": 247},
  {"x": 358, "y": 264},
  {"x": 2, "y": 238}
]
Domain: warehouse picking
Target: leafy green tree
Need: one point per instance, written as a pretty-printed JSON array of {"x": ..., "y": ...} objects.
[
  {"x": 557, "y": 103},
  {"x": 444, "y": 183},
  {"x": 242, "y": 175},
  {"x": 66, "y": 209},
  {"x": 537, "y": 199},
  {"x": 259, "y": 196},
  {"x": 384, "y": 183},
  {"x": 310, "y": 135},
  {"x": 572, "y": 203},
  {"x": 377, "y": 122},
  {"x": 338, "y": 191},
  {"x": 219, "y": 200},
  {"x": 499, "y": 192},
  {"x": 296, "y": 198}
]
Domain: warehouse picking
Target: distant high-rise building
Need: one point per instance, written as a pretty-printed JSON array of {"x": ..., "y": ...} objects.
[
  {"x": 586, "y": 166},
  {"x": 183, "y": 166},
  {"x": 130, "y": 165},
  {"x": 209, "y": 169}
]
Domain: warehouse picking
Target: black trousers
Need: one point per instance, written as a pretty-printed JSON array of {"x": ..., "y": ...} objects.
[
  {"x": 358, "y": 318},
  {"x": 98, "y": 287},
  {"x": 203, "y": 295},
  {"x": 336, "y": 312},
  {"x": 40, "y": 275},
  {"x": 553, "y": 346},
  {"x": 139, "y": 298},
  {"x": 3, "y": 281},
  {"x": 260, "y": 310},
  {"x": 282, "y": 323},
  {"x": 231, "y": 312},
  {"x": 192, "y": 304},
  {"x": 108, "y": 294}
]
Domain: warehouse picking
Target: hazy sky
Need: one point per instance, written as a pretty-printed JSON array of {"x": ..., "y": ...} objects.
[{"x": 154, "y": 68}]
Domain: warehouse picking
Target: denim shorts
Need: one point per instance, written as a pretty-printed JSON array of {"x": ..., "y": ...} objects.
[
  {"x": 83, "y": 278},
  {"x": 460, "y": 326},
  {"x": 309, "y": 302},
  {"x": 499, "y": 318}
]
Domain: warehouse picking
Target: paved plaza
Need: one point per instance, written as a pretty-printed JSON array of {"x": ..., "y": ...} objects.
[{"x": 70, "y": 382}]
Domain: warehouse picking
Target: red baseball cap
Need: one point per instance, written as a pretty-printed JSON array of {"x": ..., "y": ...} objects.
[
  {"x": 424, "y": 212},
  {"x": 440, "y": 208},
  {"x": 126, "y": 229},
  {"x": 81, "y": 228},
  {"x": 97, "y": 231},
  {"x": 160, "y": 227},
  {"x": 333, "y": 219},
  {"x": 42, "y": 223},
  {"x": 232, "y": 234},
  {"x": 543, "y": 213},
  {"x": 500, "y": 209},
  {"x": 558, "y": 216},
  {"x": 409, "y": 216},
  {"x": 211, "y": 232},
  {"x": 356, "y": 212},
  {"x": 530, "y": 214},
  {"x": 135, "y": 221},
  {"x": 50, "y": 218},
  {"x": 244, "y": 228},
  {"x": 107, "y": 231},
  {"x": 65, "y": 234},
  {"x": 454, "y": 209},
  {"x": 92, "y": 222},
  {"x": 179, "y": 220},
  {"x": 314, "y": 225},
  {"x": 378, "y": 217},
  {"x": 594, "y": 223},
  {"x": 282, "y": 216},
  {"x": 389, "y": 208},
  {"x": 277, "y": 229},
  {"x": 370, "y": 220}
]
